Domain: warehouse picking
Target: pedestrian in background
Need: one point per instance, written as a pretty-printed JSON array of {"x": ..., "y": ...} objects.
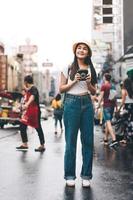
[
  {"x": 58, "y": 111},
  {"x": 127, "y": 105},
  {"x": 31, "y": 115},
  {"x": 98, "y": 116},
  {"x": 108, "y": 109},
  {"x": 78, "y": 83}
]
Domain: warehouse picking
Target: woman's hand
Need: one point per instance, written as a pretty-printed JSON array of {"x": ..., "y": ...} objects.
[
  {"x": 24, "y": 107},
  {"x": 77, "y": 77},
  {"x": 88, "y": 78}
]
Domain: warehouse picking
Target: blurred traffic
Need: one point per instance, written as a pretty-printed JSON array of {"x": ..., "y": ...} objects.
[{"x": 46, "y": 111}]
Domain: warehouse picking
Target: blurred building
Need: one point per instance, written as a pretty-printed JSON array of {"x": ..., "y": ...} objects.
[
  {"x": 47, "y": 81},
  {"x": 125, "y": 62},
  {"x": 107, "y": 32},
  {"x": 9, "y": 69},
  {"x": 2, "y": 48},
  {"x": 3, "y": 68},
  {"x": 29, "y": 65},
  {"x": 128, "y": 24},
  {"x": 123, "y": 65},
  {"x": 13, "y": 81}
]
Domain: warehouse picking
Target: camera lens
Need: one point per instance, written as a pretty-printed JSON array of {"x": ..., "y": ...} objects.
[{"x": 83, "y": 76}]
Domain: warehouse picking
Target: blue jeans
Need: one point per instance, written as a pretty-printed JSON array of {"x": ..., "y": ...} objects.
[
  {"x": 58, "y": 118},
  {"x": 108, "y": 113},
  {"x": 78, "y": 115}
]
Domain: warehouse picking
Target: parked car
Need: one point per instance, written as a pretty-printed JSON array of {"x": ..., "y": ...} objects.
[{"x": 44, "y": 112}]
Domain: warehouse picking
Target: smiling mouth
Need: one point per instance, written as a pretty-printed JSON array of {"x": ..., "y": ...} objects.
[{"x": 81, "y": 54}]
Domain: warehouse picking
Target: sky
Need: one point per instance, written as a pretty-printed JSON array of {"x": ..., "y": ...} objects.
[{"x": 53, "y": 25}]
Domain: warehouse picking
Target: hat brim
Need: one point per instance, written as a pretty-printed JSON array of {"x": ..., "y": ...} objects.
[{"x": 82, "y": 42}]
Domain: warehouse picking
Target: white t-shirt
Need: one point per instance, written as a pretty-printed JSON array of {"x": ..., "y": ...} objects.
[
  {"x": 128, "y": 99},
  {"x": 78, "y": 88}
]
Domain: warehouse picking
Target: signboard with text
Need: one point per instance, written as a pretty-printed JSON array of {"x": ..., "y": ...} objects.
[
  {"x": 28, "y": 49},
  {"x": 97, "y": 2},
  {"x": 3, "y": 72},
  {"x": 47, "y": 64}
]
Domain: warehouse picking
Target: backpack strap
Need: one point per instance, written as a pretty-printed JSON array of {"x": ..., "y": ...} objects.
[{"x": 64, "y": 94}]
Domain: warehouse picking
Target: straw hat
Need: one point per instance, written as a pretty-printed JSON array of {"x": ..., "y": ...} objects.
[{"x": 82, "y": 42}]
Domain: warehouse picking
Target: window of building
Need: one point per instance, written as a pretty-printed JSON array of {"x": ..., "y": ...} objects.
[
  {"x": 107, "y": 20},
  {"x": 107, "y": 11},
  {"x": 107, "y": 2}
]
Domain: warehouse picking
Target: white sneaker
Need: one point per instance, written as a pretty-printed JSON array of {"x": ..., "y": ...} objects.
[
  {"x": 70, "y": 183},
  {"x": 86, "y": 183},
  {"x": 113, "y": 143}
]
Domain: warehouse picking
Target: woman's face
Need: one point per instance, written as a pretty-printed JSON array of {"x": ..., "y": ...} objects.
[
  {"x": 82, "y": 51},
  {"x": 25, "y": 84},
  {"x": 23, "y": 92}
]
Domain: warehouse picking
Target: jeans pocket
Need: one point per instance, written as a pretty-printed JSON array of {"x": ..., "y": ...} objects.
[{"x": 69, "y": 101}]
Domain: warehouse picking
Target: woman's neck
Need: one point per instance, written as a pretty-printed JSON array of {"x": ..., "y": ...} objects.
[
  {"x": 82, "y": 65},
  {"x": 107, "y": 81},
  {"x": 29, "y": 86}
]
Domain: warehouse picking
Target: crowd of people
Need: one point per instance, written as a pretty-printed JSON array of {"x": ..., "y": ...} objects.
[
  {"x": 117, "y": 119},
  {"x": 78, "y": 110}
]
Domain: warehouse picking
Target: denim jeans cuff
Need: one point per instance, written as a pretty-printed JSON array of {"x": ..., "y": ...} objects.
[
  {"x": 86, "y": 177},
  {"x": 70, "y": 177}
]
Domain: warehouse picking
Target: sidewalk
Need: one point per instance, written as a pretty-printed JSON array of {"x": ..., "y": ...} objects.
[{"x": 35, "y": 176}]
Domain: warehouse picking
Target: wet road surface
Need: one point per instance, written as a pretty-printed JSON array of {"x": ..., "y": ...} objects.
[{"x": 34, "y": 176}]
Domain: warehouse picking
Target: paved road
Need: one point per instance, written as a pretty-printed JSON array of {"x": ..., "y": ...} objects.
[{"x": 35, "y": 176}]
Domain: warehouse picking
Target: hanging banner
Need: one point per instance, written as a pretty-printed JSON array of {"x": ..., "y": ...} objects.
[{"x": 3, "y": 72}]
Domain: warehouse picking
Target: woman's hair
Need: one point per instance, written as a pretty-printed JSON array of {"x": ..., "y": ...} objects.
[
  {"x": 130, "y": 74},
  {"x": 74, "y": 68},
  {"x": 128, "y": 85},
  {"x": 107, "y": 76},
  {"x": 23, "y": 90},
  {"x": 58, "y": 97},
  {"x": 28, "y": 79}
]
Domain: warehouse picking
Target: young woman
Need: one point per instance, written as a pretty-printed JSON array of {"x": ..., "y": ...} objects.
[
  {"x": 31, "y": 115},
  {"x": 78, "y": 82},
  {"x": 58, "y": 111}
]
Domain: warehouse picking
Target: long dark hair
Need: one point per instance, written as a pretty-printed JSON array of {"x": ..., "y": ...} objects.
[
  {"x": 58, "y": 97},
  {"x": 107, "y": 77},
  {"x": 128, "y": 85},
  {"x": 28, "y": 79},
  {"x": 74, "y": 68}
]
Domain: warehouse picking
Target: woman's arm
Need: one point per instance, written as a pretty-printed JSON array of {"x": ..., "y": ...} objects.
[
  {"x": 91, "y": 88},
  {"x": 31, "y": 99},
  {"x": 64, "y": 86},
  {"x": 123, "y": 96},
  {"x": 100, "y": 98}
]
